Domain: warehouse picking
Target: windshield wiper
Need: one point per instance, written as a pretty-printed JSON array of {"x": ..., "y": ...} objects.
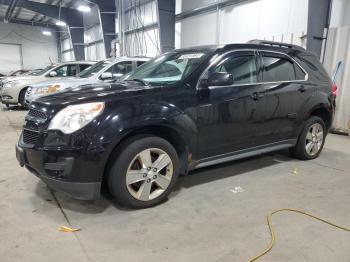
[{"x": 138, "y": 80}]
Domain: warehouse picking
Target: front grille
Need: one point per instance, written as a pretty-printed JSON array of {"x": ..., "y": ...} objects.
[
  {"x": 37, "y": 114},
  {"x": 30, "y": 137}
]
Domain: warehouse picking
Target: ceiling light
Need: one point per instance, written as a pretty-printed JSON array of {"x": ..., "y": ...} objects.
[
  {"x": 84, "y": 8},
  {"x": 46, "y": 32},
  {"x": 61, "y": 23}
]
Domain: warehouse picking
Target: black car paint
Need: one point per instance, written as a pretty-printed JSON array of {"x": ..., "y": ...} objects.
[{"x": 211, "y": 124}]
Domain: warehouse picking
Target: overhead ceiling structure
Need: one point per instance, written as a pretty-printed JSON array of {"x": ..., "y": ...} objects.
[
  {"x": 50, "y": 12},
  {"x": 13, "y": 11}
]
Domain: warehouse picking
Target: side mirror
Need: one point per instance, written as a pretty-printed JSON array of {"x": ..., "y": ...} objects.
[
  {"x": 53, "y": 74},
  {"x": 106, "y": 76},
  {"x": 220, "y": 79}
]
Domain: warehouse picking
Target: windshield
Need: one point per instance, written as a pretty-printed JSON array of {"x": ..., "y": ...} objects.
[
  {"x": 41, "y": 72},
  {"x": 168, "y": 68},
  {"x": 94, "y": 69}
]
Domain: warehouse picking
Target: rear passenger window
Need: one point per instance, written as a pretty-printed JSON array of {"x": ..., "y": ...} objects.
[
  {"x": 140, "y": 63},
  {"x": 82, "y": 67},
  {"x": 242, "y": 68},
  {"x": 278, "y": 69}
]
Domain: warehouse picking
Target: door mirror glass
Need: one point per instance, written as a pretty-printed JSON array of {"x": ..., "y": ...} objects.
[
  {"x": 106, "y": 76},
  {"x": 53, "y": 74},
  {"x": 220, "y": 79}
]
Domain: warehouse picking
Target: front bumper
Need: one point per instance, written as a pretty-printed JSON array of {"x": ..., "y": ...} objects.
[{"x": 67, "y": 171}]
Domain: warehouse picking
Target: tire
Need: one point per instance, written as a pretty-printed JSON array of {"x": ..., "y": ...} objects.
[
  {"x": 310, "y": 142},
  {"x": 21, "y": 97},
  {"x": 130, "y": 176}
]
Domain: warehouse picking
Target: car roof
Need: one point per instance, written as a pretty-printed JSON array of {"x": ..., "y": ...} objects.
[
  {"x": 77, "y": 62},
  {"x": 128, "y": 58},
  {"x": 253, "y": 44}
]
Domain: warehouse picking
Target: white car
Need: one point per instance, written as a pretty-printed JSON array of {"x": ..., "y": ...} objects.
[
  {"x": 104, "y": 71},
  {"x": 13, "y": 89}
]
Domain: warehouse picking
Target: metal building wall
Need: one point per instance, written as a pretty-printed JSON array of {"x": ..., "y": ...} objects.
[
  {"x": 240, "y": 22},
  {"x": 337, "y": 49},
  {"x": 140, "y": 28}
]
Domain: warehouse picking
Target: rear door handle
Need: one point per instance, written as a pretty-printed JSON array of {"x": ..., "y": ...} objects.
[
  {"x": 256, "y": 96},
  {"x": 302, "y": 89}
]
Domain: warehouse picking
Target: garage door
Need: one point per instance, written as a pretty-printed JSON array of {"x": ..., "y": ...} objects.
[{"x": 10, "y": 58}]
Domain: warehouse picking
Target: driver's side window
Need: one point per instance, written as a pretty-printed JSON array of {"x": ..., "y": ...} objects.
[{"x": 242, "y": 68}]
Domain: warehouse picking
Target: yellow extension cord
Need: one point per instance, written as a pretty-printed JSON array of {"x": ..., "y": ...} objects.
[{"x": 272, "y": 232}]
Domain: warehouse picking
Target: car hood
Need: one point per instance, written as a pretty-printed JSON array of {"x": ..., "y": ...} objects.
[
  {"x": 65, "y": 82},
  {"x": 97, "y": 92}
]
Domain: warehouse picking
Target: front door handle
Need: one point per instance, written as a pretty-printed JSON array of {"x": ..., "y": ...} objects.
[
  {"x": 302, "y": 89},
  {"x": 256, "y": 96}
]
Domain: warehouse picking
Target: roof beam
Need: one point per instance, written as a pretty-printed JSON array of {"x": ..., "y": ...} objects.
[
  {"x": 11, "y": 8},
  {"x": 72, "y": 17}
]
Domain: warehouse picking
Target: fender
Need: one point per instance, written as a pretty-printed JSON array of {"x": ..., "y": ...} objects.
[
  {"x": 318, "y": 100},
  {"x": 127, "y": 118}
]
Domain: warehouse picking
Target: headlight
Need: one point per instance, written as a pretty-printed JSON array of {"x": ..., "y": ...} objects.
[
  {"x": 75, "y": 117},
  {"x": 10, "y": 84},
  {"x": 47, "y": 89}
]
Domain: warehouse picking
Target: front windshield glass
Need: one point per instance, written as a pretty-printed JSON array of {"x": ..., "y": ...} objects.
[
  {"x": 169, "y": 68},
  {"x": 41, "y": 72},
  {"x": 94, "y": 69}
]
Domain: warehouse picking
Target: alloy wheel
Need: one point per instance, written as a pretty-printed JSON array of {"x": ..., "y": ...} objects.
[
  {"x": 314, "y": 139},
  {"x": 149, "y": 174}
]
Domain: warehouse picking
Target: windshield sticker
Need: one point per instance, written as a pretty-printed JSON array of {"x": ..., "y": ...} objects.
[{"x": 191, "y": 56}]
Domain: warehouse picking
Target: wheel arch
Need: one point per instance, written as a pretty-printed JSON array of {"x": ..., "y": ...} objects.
[
  {"x": 23, "y": 89},
  {"x": 324, "y": 113},
  {"x": 170, "y": 134}
]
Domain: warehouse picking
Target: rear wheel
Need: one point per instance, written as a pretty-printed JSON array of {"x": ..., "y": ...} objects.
[
  {"x": 311, "y": 139},
  {"x": 144, "y": 172}
]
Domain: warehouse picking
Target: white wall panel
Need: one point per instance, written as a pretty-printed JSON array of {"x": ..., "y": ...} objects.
[
  {"x": 95, "y": 51},
  {"x": 142, "y": 43},
  {"x": 242, "y": 22},
  {"x": 11, "y": 57},
  {"x": 185, "y": 5},
  {"x": 38, "y": 50},
  {"x": 340, "y": 13},
  {"x": 338, "y": 50},
  {"x": 197, "y": 30}
]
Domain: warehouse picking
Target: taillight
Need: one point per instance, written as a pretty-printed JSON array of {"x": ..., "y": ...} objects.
[{"x": 334, "y": 90}]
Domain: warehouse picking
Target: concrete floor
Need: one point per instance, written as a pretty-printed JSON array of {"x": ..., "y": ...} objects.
[{"x": 204, "y": 220}]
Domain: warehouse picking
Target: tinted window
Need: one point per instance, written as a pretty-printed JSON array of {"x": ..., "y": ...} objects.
[
  {"x": 299, "y": 73},
  {"x": 120, "y": 69},
  {"x": 278, "y": 69},
  {"x": 140, "y": 63},
  {"x": 242, "y": 68},
  {"x": 94, "y": 69},
  {"x": 66, "y": 70},
  {"x": 83, "y": 67}
]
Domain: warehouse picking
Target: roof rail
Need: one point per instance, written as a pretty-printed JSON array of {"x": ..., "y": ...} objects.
[{"x": 278, "y": 44}]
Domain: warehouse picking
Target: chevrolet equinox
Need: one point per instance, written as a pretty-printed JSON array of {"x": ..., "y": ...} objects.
[{"x": 186, "y": 109}]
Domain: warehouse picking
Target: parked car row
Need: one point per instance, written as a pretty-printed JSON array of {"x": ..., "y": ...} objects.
[
  {"x": 13, "y": 89},
  {"x": 103, "y": 71},
  {"x": 186, "y": 109}
]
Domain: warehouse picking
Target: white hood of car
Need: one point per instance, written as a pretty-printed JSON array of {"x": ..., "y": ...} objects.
[{"x": 63, "y": 82}]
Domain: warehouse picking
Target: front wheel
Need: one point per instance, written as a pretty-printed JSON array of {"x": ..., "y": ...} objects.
[
  {"x": 311, "y": 139},
  {"x": 144, "y": 172},
  {"x": 21, "y": 98}
]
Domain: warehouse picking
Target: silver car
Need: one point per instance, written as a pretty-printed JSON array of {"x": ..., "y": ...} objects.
[
  {"x": 104, "y": 71},
  {"x": 13, "y": 89}
]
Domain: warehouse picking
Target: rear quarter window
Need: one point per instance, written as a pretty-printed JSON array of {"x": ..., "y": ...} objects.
[{"x": 277, "y": 69}]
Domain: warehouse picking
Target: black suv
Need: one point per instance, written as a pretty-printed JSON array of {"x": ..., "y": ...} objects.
[{"x": 183, "y": 110}]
